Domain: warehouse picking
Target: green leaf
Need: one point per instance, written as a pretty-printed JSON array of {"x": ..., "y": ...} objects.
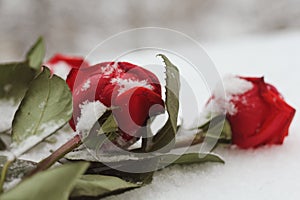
[
  {"x": 226, "y": 134},
  {"x": 14, "y": 80},
  {"x": 46, "y": 107},
  {"x": 99, "y": 185},
  {"x": 159, "y": 160},
  {"x": 52, "y": 184},
  {"x": 104, "y": 129},
  {"x": 15, "y": 77},
  {"x": 116, "y": 168},
  {"x": 190, "y": 158},
  {"x": 166, "y": 136},
  {"x": 110, "y": 125},
  {"x": 211, "y": 129},
  {"x": 36, "y": 54}
]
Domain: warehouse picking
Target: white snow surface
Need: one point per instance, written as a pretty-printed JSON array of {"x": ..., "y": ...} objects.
[{"x": 271, "y": 172}]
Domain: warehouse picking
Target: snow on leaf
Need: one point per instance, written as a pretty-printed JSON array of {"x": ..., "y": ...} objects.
[{"x": 46, "y": 107}]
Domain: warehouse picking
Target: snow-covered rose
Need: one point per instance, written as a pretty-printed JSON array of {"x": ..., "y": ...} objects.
[
  {"x": 256, "y": 111},
  {"x": 133, "y": 92}
]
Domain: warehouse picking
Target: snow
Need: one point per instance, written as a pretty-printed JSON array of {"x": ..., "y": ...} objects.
[
  {"x": 19, "y": 149},
  {"x": 61, "y": 69},
  {"x": 235, "y": 86},
  {"x": 90, "y": 113},
  {"x": 43, "y": 131},
  {"x": 42, "y": 105},
  {"x": 7, "y": 87},
  {"x": 88, "y": 155},
  {"x": 107, "y": 70},
  {"x": 86, "y": 85},
  {"x": 13, "y": 183},
  {"x": 8, "y": 109},
  {"x": 45, "y": 148},
  {"x": 221, "y": 101},
  {"x": 127, "y": 84}
]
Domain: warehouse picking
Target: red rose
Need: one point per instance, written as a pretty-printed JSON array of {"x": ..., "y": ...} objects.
[
  {"x": 134, "y": 91},
  {"x": 61, "y": 65},
  {"x": 258, "y": 115}
]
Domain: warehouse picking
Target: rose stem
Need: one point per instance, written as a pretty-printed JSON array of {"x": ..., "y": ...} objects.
[{"x": 56, "y": 155}]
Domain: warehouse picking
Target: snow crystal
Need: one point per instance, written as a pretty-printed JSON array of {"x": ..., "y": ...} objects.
[
  {"x": 90, "y": 113},
  {"x": 109, "y": 69},
  {"x": 7, "y": 87},
  {"x": 61, "y": 69},
  {"x": 222, "y": 99},
  {"x": 86, "y": 85},
  {"x": 127, "y": 84},
  {"x": 11, "y": 184},
  {"x": 7, "y": 110},
  {"x": 42, "y": 105}
]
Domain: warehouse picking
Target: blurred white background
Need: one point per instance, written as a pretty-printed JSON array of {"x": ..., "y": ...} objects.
[{"x": 76, "y": 26}]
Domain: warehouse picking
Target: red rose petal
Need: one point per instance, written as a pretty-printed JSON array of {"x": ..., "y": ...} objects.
[{"x": 135, "y": 105}]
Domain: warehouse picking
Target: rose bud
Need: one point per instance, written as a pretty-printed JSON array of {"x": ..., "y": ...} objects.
[
  {"x": 133, "y": 92},
  {"x": 61, "y": 65},
  {"x": 256, "y": 111}
]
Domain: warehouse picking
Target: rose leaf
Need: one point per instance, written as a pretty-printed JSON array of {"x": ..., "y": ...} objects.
[
  {"x": 36, "y": 54},
  {"x": 100, "y": 185},
  {"x": 54, "y": 183},
  {"x": 213, "y": 127},
  {"x": 190, "y": 158},
  {"x": 46, "y": 107},
  {"x": 166, "y": 136},
  {"x": 14, "y": 80}
]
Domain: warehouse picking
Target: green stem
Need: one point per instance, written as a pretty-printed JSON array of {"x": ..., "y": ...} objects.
[{"x": 4, "y": 172}]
